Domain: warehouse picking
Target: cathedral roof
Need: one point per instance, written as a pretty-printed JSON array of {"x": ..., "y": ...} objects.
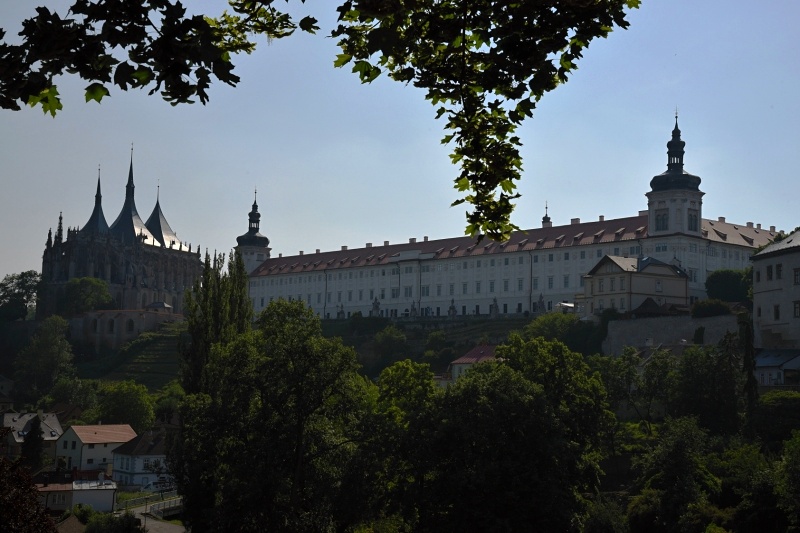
[
  {"x": 160, "y": 229},
  {"x": 128, "y": 227},
  {"x": 97, "y": 221},
  {"x": 675, "y": 178}
]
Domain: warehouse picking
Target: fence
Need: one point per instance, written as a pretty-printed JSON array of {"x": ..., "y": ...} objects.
[
  {"x": 160, "y": 509},
  {"x": 154, "y": 498}
]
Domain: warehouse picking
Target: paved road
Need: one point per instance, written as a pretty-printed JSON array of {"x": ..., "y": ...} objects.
[{"x": 153, "y": 524}]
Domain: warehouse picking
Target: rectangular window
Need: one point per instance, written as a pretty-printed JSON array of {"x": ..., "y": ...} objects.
[
  {"x": 463, "y": 288},
  {"x": 383, "y": 294},
  {"x": 329, "y": 297},
  {"x": 438, "y": 290},
  {"x": 521, "y": 260},
  {"x": 599, "y": 253},
  {"x": 91, "y": 446},
  {"x": 658, "y": 285},
  {"x": 622, "y": 303},
  {"x": 549, "y": 282},
  {"x": 550, "y": 257},
  {"x": 505, "y": 285},
  {"x": 520, "y": 282},
  {"x": 395, "y": 292},
  {"x": 797, "y": 309},
  {"x": 371, "y": 295},
  {"x": 339, "y": 296},
  {"x": 478, "y": 263},
  {"x": 611, "y": 284},
  {"x": 758, "y": 276},
  {"x": 776, "y": 312},
  {"x": 452, "y": 289},
  {"x": 693, "y": 247},
  {"x": 409, "y": 270},
  {"x": 566, "y": 281},
  {"x": 491, "y": 286},
  {"x": 535, "y": 284},
  {"x": 65, "y": 445},
  {"x": 491, "y": 262},
  {"x": 535, "y": 258},
  {"x": 566, "y": 256},
  {"x": 600, "y": 285},
  {"x": 505, "y": 261},
  {"x": 622, "y": 284},
  {"x": 89, "y": 461},
  {"x": 797, "y": 276},
  {"x": 407, "y": 292},
  {"x": 779, "y": 271},
  {"x": 477, "y": 287},
  {"x": 360, "y": 294},
  {"x": 349, "y": 296},
  {"x": 769, "y": 273},
  {"x": 583, "y": 254},
  {"x": 424, "y": 290},
  {"x": 616, "y": 251}
]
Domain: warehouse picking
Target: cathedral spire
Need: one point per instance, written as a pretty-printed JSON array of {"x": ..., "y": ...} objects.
[
  {"x": 49, "y": 243},
  {"x": 97, "y": 221},
  {"x": 60, "y": 230},
  {"x": 675, "y": 149}
]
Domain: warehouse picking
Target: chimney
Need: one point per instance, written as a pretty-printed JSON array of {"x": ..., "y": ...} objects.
[
  {"x": 412, "y": 240},
  {"x": 772, "y": 229},
  {"x": 425, "y": 238},
  {"x": 386, "y": 243},
  {"x": 643, "y": 212},
  {"x": 369, "y": 245},
  {"x": 317, "y": 250},
  {"x": 575, "y": 221},
  {"x": 344, "y": 248},
  {"x": 280, "y": 255},
  {"x": 301, "y": 252},
  {"x": 750, "y": 225},
  {"x": 602, "y": 218},
  {"x": 721, "y": 219},
  {"x": 758, "y": 226}
]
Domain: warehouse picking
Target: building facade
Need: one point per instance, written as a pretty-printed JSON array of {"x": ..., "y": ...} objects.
[
  {"x": 142, "y": 262},
  {"x": 776, "y": 295},
  {"x": 530, "y": 273},
  {"x": 91, "y": 447},
  {"x": 625, "y": 283}
]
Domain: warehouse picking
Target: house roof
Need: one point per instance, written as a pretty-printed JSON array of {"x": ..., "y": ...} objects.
[
  {"x": 791, "y": 243},
  {"x": 104, "y": 433},
  {"x": 71, "y": 524},
  {"x": 773, "y": 358},
  {"x": 636, "y": 264},
  {"x": 20, "y": 424},
  {"x": 623, "y": 230},
  {"x": 148, "y": 443},
  {"x": 476, "y": 355}
]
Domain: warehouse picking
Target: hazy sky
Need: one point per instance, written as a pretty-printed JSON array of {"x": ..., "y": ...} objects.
[{"x": 339, "y": 163}]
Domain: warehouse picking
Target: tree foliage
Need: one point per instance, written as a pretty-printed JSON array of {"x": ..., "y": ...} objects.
[
  {"x": 483, "y": 64},
  {"x": 707, "y": 308},
  {"x": 20, "y": 509},
  {"x": 18, "y": 295},
  {"x": 82, "y": 295},
  {"x": 728, "y": 285},
  {"x": 46, "y": 358},
  {"x": 126, "y": 402}
]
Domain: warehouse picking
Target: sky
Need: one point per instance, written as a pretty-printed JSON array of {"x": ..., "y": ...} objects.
[{"x": 337, "y": 163}]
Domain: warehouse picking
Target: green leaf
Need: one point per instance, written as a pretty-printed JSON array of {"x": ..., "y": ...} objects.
[
  {"x": 308, "y": 24},
  {"x": 48, "y": 99},
  {"x": 96, "y": 92},
  {"x": 342, "y": 60}
]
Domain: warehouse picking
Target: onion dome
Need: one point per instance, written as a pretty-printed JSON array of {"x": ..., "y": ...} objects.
[
  {"x": 253, "y": 237},
  {"x": 675, "y": 177}
]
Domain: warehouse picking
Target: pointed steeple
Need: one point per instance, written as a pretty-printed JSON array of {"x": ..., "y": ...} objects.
[
  {"x": 97, "y": 221},
  {"x": 253, "y": 237},
  {"x": 546, "y": 219},
  {"x": 128, "y": 227},
  {"x": 160, "y": 229},
  {"x": 675, "y": 176},
  {"x": 60, "y": 230},
  {"x": 49, "y": 243}
]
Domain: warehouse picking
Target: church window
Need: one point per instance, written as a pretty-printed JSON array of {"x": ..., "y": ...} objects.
[
  {"x": 693, "y": 220},
  {"x": 662, "y": 220}
]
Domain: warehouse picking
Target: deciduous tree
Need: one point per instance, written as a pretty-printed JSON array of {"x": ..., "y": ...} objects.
[
  {"x": 18, "y": 295},
  {"x": 47, "y": 357},
  {"x": 126, "y": 402}
]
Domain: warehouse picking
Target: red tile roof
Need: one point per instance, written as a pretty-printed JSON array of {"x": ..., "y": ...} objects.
[
  {"x": 104, "y": 433},
  {"x": 476, "y": 355}
]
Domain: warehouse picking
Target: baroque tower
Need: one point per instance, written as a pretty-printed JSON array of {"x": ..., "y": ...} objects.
[{"x": 252, "y": 246}]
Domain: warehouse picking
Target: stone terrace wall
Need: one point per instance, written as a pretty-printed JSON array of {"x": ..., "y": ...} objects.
[{"x": 667, "y": 331}]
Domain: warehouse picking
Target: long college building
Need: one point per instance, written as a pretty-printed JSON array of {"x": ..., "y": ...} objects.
[{"x": 530, "y": 273}]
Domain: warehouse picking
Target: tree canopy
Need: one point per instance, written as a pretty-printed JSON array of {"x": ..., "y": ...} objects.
[
  {"x": 18, "y": 295},
  {"x": 483, "y": 64}
]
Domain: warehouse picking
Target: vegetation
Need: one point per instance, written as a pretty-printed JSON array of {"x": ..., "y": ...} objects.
[
  {"x": 46, "y": 358},
  {"x": 707, "y": 308},
  {"x": 729, "y": 285},
  {"x": 18, "y": 295},
  {"x": 19, "y": 500},
  {"x": 82, "y": 295},
  {"x": 483, "y": 65}
]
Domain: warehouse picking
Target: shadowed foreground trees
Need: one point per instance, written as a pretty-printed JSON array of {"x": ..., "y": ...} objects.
[{"x": 285, "y": 435}]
